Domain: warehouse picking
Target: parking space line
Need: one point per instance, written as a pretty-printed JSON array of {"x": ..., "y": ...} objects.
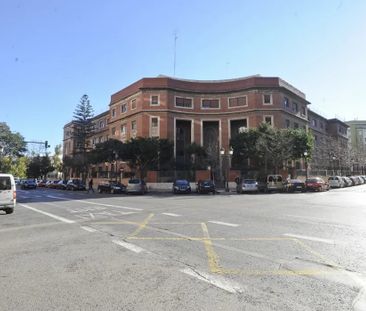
[
  {"x": 216, "y": 281},
  {"x": 65, "y": 220},
  {"x": 310, "y": 238},
  {"x": 172, "y": 214},
  {"x": 142, "y": 225},
  {"x": 111, "y": 205},
  {"x": 129, "y": 246},
  {"x": 89, "y": 229},
  {"x": 223, "y": 223},
  {"x": 213, "y": 260}
]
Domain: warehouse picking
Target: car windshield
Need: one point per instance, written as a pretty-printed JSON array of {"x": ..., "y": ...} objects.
[
  {"x": 134, "y": 181},
  {"x": 249, "y": 181},
  {"x": 181, "y": 182}
]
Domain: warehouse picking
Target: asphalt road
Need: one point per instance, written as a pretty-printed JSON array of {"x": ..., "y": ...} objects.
[{"x": 65, "y": 250}]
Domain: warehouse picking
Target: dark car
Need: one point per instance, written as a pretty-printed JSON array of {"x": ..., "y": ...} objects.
[
  {"x": 206, "y": 186},
  {"x": 29, "y": 184},
  {"x": 111, "y": 187},
  {"x": 181, "y": 186},
  {"x": 292, "y": 185},
  {"x": 316, "y": 184},
  {"x": 75, "y": 184}
]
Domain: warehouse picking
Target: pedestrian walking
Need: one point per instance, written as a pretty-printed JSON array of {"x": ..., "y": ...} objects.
[{"x": 90, "y": 188}]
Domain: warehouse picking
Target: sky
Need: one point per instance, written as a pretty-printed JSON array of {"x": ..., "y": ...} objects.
[{"x": 52, "y": 52}]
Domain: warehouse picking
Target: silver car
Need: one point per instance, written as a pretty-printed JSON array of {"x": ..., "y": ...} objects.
[
  {"x": 136, "y": 186},
  {"x": 247, "y": 185}
]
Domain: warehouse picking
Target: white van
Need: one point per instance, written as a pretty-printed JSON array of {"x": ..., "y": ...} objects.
[{"x": 8, "y": 194}]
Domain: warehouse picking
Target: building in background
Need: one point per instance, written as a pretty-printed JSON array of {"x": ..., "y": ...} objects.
[
  {"x": 357, "y": 139},
  {"x": 208, "y": 113}
]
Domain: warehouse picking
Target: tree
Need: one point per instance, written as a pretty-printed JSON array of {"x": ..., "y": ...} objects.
[
  {"x": 197, "y": 155},
  {"x": 82, "y": 128},
  {"x": 12, "y": 146},
  {"x": 39, "y": 167},
  {"x": 57, "y": 158},
  {"x": 146, "y": 153},
  {"x": 269, "y": 148}
]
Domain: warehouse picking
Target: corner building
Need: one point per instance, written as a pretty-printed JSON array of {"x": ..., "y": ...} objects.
[{"x": 208, "y": 113}]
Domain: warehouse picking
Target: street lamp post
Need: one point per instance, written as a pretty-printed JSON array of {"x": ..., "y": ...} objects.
[
  {"x": 225, "y": 172},
  {"x": 306, "y": 164},
  {"x": 222, "y": 153}
]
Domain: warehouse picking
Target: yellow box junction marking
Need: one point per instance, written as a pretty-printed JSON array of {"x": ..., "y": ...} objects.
[
  {"x": 213, "y": 260},
  {"x": 142, "y": 225}
]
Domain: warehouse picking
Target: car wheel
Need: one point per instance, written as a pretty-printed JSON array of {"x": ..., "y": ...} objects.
[{"x": 9, "y": 210}]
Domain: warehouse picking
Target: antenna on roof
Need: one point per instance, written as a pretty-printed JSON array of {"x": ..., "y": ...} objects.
[{"x": 175, "y": 49}]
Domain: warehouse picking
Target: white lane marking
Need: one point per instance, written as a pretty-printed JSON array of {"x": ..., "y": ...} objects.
[
  {"x": 310, "y": 238},
  {"x": 223, "y": 223},
  {"x": 92, "y": 216},
  {"x": 65, "y": 220},
  {"x": 217, "y": 281},
  {"x": 53, "y": 197},
  {"x": 129, "y": 246},
  {"x": 110, "y": 205},
  {"x": 172, "y": 214},
  {"x": 89, "y": 229},
  {"x": 359, "y": 303}
]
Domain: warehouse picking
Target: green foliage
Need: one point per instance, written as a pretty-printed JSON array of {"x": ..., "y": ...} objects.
[
  {"x": 39, "y": 167},
  {"x": 107, "y": 151},
  {"x": 197, "y": 156},
  {"x": 269, "y": 148},
  {"x": 12, "y": 145},
  {"x": 56, "y": 158}
]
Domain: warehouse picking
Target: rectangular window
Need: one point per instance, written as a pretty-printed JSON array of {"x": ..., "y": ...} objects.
[
  {"x": 296, "y": 125},
  {"x": 286, "y": 102},
  {"x": 295, "y": 107},
  {"x": 210, "y": 103},
  {"x": 267, "y": 99},
  {"x": 123, "y": 129},
  {"x": 183, "y": 102},
  {"x": 287, "y": 123},
  {"x": 113, "y": 131},
  {"x": 133, "y": 104},
  {"x": 123, "y": 108},
  {"x": 315, "y": 123},
  {"x": 268, "y": 120},
  {"x": 154, "y": 127},
  {"x": 133, "y": 126},
  {"x": 154, "y": 100},
  {"x": 101, "y": 124},
  {"x": 113, "y": 113},
  {"x": 237, "y": 101},
  {"x": 303, "y": 111}
]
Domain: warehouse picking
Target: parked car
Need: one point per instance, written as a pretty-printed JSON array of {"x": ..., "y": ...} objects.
[
  {"x": 111, "y": 187},
  {"x": 355, "y": 180},
  {"x": 270, "y": 183},
  {"x": 247, "y": 185},
  {"x": 75, "y": 184},
  {"x": 316, "y": 184},
  {"x": 206, "y": 186},
  {"x": 335, "y": 182},
  {"x": 29, "y": 184},
  {"x": 181, "y": 186},
  {"x": 347, "y": 181},
  {"x": 61, "y": 185},
  {"x": 7, "y": 193},
  {"x": 42, "y": 183},
  {"x": 136, "y": 186},
  {"x": 362, "y": 181},
  {"x": 292, "y": 185}
]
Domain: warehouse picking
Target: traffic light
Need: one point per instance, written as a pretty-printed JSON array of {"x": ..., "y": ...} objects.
[{"x": 46, "y": 145}]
